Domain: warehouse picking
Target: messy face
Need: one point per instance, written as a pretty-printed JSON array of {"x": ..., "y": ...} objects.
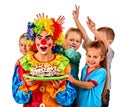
[
  {"x": 74, "y": 40},
  {"x": 93, "y": 57},
  {"x": 44, "y": 43}
]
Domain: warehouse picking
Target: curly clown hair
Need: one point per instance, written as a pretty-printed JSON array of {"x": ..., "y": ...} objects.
[{"x": 48, "y": 24}]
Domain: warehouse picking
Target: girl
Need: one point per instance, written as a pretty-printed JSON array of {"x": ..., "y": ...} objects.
[{"x": 93, "y": 76}]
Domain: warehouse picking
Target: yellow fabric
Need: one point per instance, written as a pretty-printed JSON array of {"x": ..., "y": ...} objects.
[{"x": 33, "y": 61}]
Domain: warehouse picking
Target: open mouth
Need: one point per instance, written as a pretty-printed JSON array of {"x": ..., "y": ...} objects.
[
  {"x": 43, "y": 48},
  {"x": 74, "y": 47}
]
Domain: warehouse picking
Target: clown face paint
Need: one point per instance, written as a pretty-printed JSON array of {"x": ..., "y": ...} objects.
[{"x": 44, "y": 43}]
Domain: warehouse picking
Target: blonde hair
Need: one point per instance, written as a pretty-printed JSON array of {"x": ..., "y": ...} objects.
[
  {"x": 22, "y": 36},
  {"x": 73, "y": 30}
]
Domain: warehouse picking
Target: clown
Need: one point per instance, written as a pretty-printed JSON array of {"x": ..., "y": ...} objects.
[{"x": 44, "y": 34}]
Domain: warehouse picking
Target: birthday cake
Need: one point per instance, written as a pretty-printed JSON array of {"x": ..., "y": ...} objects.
[{"x": 44, "y": 71}]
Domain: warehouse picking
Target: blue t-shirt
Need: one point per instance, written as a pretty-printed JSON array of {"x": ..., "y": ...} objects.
[{"x": 92, "y": 97}]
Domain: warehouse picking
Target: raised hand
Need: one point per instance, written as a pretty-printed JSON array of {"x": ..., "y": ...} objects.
[
  {"x": 75, "y": 12},
  {"x": 39, "y": 15},
  {"x": 60, "y": 19},
  {"x": 91, "y": 25},
  {"x": 78, "y": 23}
]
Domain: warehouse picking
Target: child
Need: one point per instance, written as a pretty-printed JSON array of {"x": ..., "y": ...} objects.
[
  {"x": 46, "y": 33},
  {"x": 93, "y": 76},
  {"x": 23, "y": 46},
  {"x": 73, "y": 40},
  {"x": 107, "y": 35}
]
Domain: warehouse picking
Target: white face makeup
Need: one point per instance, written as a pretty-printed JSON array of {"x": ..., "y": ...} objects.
[{"x": 44, "y": 43}]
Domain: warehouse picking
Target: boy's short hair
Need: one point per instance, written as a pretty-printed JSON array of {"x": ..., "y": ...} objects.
[
  {"x": 72, "y": 29},
  {"x": 109, "y": 31}
]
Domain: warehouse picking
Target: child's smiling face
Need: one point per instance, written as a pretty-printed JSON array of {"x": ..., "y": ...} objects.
[{"x": 94, "y": 57}]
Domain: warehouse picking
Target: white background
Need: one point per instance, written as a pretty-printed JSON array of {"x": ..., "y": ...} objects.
[{"x": 14, "y": 15}]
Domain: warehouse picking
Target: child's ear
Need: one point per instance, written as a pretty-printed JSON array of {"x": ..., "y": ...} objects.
[
  {"x": 102, "y": 58},
  {"x": 110, "y": 42}
]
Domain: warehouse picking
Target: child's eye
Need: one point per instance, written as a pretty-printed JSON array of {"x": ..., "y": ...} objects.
[
  {"x": 78, "y": 41},
  {"x": 71, "y": 40},
  {"x": 95, "y": 56},
  {"x": 89, "y": 56},
  {"x": 21, "y": 44}
]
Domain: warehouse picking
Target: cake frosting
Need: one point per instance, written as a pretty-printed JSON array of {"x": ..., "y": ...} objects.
[{"x": 45, "y": 71}]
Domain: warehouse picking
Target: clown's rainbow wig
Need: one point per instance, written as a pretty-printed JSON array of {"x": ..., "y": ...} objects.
[{"x": 48, "y": 24}]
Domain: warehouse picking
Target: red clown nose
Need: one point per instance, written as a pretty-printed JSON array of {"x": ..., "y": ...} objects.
[{"x": 43, "y": 41}]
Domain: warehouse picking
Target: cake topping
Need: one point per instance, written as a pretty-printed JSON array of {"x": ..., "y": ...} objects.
[{"x": 45, "y": 71}]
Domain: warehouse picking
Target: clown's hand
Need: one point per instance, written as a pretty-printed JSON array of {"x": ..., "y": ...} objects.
[
  {"x": 39, "y": 15},
  {"x": 61, "y": 19}
]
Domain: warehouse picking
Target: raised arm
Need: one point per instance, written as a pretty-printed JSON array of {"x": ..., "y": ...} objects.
[
  {"x": 97, "y": 35},
  {"x": 78, "y": 24},
  {"x": 92, "y": 26}
]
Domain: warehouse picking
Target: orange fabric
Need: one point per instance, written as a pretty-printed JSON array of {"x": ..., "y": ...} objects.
[
  {"x": 49, "y": 101},
  {"x": 27, "y": 88},
  {"x": 62, "y": 87},
  {"x": 67, "y": 70},
  {"x": 53, "y": 91},
  {"x": 44, "y": 91}
]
